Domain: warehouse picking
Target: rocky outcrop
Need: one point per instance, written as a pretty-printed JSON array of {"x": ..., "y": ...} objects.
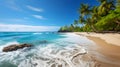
[{"x": 15, "y": 47}]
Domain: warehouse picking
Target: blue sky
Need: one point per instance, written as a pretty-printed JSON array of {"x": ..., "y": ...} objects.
[{"x": 49, "y": 14}]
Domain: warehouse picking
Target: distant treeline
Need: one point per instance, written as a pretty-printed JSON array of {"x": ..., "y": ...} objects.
[{"x": 105, "y": 17}]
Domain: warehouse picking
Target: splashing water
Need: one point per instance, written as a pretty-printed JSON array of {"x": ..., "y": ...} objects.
[{"x": 63, "y": 50}]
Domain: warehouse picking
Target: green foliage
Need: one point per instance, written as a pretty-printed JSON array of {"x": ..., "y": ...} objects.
[
  {"x": 105, "y": 17},
  {"x": 71, "y": 28},
  {"x": 106, "y": 23}
]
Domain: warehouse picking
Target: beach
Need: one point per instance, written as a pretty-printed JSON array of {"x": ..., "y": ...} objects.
[
  {"x": 60, "y": 50},
  {"x": 108, "y": 46},
  {"x": 48, "y": 50}
]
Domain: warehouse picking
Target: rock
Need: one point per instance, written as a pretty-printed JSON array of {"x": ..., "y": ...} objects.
[{"x": 15, "y": 47}]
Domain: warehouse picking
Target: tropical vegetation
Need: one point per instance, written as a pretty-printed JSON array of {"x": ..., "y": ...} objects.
[{"x": 102, "y": 18}]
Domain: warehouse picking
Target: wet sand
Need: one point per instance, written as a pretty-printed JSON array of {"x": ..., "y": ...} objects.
[
  {"x": 109, "y": 47},
  {"x": 112, "y": 52}
]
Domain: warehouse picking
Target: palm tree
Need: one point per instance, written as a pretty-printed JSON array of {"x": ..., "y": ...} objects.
[
  {"x": 75, "y": 23},
  {"x": 118, "y": 4},
  {"x": 71, "y": 27},
  {"x": 118, "y": 1},
  {"x": 105, "y": 7},
  {"x": 94, "y": 18},
  {"x": 84, "y": 10},
  {"x": 101, "y": 1},
  {"x": 81, "y": 20}
]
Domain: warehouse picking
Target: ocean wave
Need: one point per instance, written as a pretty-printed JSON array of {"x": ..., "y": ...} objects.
[
  {"x": 37, "y": 33},
  {"x": 64, "y": 52},
  {"x": 66, "y": 57},
  {"x": 49, "y": 56}
]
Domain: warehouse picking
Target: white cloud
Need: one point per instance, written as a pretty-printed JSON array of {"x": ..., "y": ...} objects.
[
  {"x": 34, "y": 8},
  {"x": 38, "y": 16},
  {"x": 26, "y": 28}
]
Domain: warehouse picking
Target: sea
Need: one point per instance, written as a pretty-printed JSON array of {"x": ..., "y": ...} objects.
[{"x": 50, "y": 49}]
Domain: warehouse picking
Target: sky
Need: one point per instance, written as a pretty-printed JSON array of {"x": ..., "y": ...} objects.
[{"x": 38, "y": 15}]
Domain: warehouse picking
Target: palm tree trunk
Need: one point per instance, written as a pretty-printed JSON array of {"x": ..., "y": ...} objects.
[
  {"x": 93, "y": 28},
  {"x": 118, "y": 22}
]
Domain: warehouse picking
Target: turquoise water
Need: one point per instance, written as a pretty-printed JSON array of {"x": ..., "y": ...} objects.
[
  {"x": 31, "y": 38},
  {"x": 51, "y": 49}
]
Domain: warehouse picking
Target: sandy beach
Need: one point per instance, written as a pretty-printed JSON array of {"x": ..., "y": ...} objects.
[{"x": 109, "y": 47}]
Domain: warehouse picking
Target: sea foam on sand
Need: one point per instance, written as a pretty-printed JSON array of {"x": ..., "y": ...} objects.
[{"x": 71, "y": 54}]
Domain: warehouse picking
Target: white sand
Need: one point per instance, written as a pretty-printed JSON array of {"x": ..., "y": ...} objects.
[
  {"x": 109, "y": 44},
  {"x": 112, "y": 38}
]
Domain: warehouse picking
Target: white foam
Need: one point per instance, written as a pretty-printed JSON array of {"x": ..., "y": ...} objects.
[
  {"x": 45, "y": 57},
  {"x": 51, "y": 55},
  {"x": 37, "y": 33}
]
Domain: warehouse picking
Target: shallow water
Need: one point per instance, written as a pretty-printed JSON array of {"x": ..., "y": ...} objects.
[{"x": 49, "y": 50}]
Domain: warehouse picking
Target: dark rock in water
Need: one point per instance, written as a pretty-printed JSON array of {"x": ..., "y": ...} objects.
[{"x": 15, "y": 47}]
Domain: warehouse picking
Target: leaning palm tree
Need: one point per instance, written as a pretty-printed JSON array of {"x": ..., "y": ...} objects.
[
  {"x": 85, "y": 13},
  {"x": 81, "y": 20},
  {"x": 84, "y": 10},
  {"x": 105, "y": 7},
  {"x": 85, "y": 17},
  {"x": 94, "y": 17}
]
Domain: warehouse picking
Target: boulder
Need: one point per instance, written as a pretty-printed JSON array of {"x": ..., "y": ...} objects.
[{"x": 15, "y": 47}]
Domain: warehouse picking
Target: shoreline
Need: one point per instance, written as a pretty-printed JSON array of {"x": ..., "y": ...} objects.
[
  {"x": 110, "y": 38},
  {"x": 109, "y": 46}
]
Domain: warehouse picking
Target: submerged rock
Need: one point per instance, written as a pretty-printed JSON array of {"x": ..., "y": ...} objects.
[{"x": 15, "y": 47}]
